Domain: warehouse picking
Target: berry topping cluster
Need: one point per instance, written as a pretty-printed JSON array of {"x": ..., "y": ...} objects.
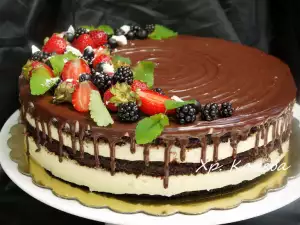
[
  {"x": 208, "y": 112},
  {"x": 80, "y": 67}
]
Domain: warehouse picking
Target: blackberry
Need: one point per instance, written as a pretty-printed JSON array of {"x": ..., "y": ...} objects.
[
  {"x": 135, "y": 28},
  {"x": 123, "y": 74},
  {"x": 128, "y": 112},
  {"x": 79, "y": 31},
  {"x": 198, "y": 107},
  {"x": 102, "y": 81},
  {"x": 88, "y": 52},
  {"x": 186, "y": 114},
  {"x": 119, "y": 32},
  {"x": 159, "y": 90},
  {"x": 142, "y": 34},
  {"x": 130, "y": 35},
  {"x": 84, "y": 77},
  {"x": 150, "y": 28},
  {"x": 47, "y": 55},
  {"x": 88, "y": 55},
  {"x": 40, "y": 56},
  {"x": 37, "y": 56},
  {"x": 69, "y": 36},
  {"x": 226, "y": 109},
  {"x": 210, "y": 112},
  {"x": 112, "y": 43}
]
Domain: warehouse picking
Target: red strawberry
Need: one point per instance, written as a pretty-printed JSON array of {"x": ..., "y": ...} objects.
[
  {"x": 81, "y": 96},
  {"x": 82, "y": 42},
  {"x": 152, "y": 102},
  {"x": 73, "y": 69},
  {"x": 138, "y": 85},
  {"x": 99, "y": 37},
  {"x": 100, "y": 59},
  {"x": 55, "y": 44},
  {"x": 106, "y": 97},
  {"x": 32, "y": 65}
]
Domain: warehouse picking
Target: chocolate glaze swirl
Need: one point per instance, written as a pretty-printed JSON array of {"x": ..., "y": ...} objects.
[{"x": 210, "y": 70}]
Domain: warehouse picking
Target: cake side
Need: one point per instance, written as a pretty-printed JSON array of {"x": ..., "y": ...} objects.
[
  {"x": 123, "y": 183},
  {"x": 229, "y": 145},
  {"x": 147, "y": 164}
]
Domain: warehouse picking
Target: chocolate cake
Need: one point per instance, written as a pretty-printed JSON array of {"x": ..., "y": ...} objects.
[{"x": 202, "y": 155}]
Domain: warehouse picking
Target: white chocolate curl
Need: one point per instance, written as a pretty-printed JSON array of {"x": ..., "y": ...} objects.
[
  {"x": 34, "y": 49},
  {"x": 108, "y": 68},
  {"x": 121, "y": 40},
  {"x": 125, "y": 28},
  {"x": 176, "y": 98},
  {"x": 71, "y": 30}
]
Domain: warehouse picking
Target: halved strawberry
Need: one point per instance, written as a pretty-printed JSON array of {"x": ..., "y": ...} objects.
[
  {"x": 82, "y": 42},
  {"x": 106, "y": 97},
  {"x": 101, "y": 59},
  {"x": 152, "y": 102},
  {"x": 73, "y": 69},
  {"x": 55, "y": 44},
  {"x": 137, "y": 84},
  {"x": 99, "y": 37},
  {"x": 32, "y": 65},
  {"x": 81, "y": 96}
]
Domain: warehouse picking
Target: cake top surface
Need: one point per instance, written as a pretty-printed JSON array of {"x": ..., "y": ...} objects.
[{"x": 258, "y": 86}]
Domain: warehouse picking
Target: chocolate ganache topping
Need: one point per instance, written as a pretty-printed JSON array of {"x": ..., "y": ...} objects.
[{"x": 258, "y": 85}]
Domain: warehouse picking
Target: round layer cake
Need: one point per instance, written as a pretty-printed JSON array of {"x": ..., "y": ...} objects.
[{"x": 205, "y": 155}]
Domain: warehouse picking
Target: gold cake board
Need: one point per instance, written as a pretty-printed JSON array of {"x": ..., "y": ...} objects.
[{"x": 222, "y": 200}]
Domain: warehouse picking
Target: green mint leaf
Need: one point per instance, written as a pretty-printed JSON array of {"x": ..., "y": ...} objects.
[
  {"x": 171, "y": 104},
  {"x": 41, "y": 81},
  {"x": 144, "y": 71},
  {"x": 107, "y": 29},
  {"x": 150, "y": 128},
  {"x": 88, "y": 27},
  {"x": 164, "y": 120},
  {"x": 98, "y": 111},
  {"x": 161, "y": 32},
  {"x": 58, "y": 62},
  {"x": 116, "y": 59}
]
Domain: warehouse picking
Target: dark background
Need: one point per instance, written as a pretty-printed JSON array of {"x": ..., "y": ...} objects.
[{"x": 271, "y": 26}]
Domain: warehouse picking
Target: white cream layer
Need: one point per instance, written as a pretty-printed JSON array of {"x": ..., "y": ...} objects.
[
  {"x": 121, "y": 183},
  {"x": 157, "y": 153}
]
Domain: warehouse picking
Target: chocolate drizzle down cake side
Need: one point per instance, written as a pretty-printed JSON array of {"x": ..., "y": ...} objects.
[{"x": 205, "y": 154}]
